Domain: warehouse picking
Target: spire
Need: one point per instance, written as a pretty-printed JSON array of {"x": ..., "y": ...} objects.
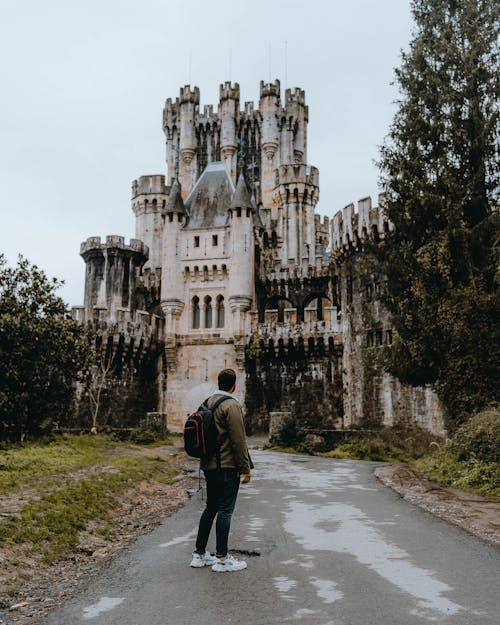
[
  {"x": 175, "y": 203},
  {"x": 241, "y": 197}
]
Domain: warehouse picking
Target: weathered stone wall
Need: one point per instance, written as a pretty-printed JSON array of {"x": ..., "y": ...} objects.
[
  {"x": 371, "y": 395},
  {"x": 131, "y": 384},
  {"x": 305, "y": 382}
]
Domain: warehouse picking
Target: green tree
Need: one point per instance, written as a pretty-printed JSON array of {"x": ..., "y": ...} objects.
[
  {"x": 440, "y": 172},
  {"x": 42, "y": 352}
]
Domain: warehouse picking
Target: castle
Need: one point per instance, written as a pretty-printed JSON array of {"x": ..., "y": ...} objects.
[{"x": 232, "y": 267}]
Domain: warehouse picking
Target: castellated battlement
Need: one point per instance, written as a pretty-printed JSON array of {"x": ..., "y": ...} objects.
[
  {"x": 208, "y": 116},
  {"x": 322, "y": 223},
  {"x": 149, "y": 185},
  {"x": 170, "y": 112},
  {"x": 322, "y": 228},
  {"x": 229, "y": 92},
  {"x": 350, "y": 228},
  {"x": 296, "y": 273},
  {"x": 270, "y": 89},
  {"x": 295, "y": 96},
  {"x": 139, "y": 330},
  {"x": 296, "y": 173},
  {"x": 189, "y": 95},
  {"x": 113, "y": 241}
]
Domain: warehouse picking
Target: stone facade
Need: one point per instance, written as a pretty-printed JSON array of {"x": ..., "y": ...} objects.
[{"x": 232, "y": 267}]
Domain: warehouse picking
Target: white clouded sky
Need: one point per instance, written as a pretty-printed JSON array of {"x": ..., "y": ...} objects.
[{"x": 83, "y": 86}]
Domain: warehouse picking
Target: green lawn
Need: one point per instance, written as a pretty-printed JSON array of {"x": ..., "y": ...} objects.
[{"x": 65, "y": 484}]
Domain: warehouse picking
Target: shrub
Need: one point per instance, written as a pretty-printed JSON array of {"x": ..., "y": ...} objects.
[
  {"x": 288, "y": 434},
  {"x": 473, "y": 474},
  {"x": 144, "y": 437},
  {"x": 479, "y": 438}
]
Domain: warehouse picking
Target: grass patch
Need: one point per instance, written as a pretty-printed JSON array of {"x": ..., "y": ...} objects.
[
  {"x": 473, "y": 475},
  {"x": 49, "y": 524},
  {"x": 375, "y": 449},
  {"x": 25, "y": 466}
]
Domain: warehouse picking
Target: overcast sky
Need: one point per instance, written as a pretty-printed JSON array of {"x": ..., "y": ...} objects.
[{"x": 83, "y": 86}]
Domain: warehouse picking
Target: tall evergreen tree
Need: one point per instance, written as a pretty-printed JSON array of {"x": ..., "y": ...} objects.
[{"x": 440, "y": 173}]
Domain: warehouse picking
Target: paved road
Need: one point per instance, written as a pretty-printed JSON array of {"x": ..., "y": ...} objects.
[{"x": 337, "y": 548}]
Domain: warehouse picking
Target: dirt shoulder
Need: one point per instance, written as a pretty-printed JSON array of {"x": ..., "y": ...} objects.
[
  {"x": 41, "y": 587},
  {"x": 475, "y": 514}
]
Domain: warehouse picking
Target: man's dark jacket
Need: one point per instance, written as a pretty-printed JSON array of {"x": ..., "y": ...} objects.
[{"x": 233, "y": 448}]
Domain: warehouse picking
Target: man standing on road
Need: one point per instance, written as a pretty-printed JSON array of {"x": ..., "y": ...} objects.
[{"x": 223, "y": 483}]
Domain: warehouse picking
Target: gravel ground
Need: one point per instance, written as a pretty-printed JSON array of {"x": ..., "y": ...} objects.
[{"x": 475, "y": 514}]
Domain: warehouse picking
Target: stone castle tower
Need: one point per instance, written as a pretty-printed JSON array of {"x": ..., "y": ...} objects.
[{"x": 232, "y": 267}]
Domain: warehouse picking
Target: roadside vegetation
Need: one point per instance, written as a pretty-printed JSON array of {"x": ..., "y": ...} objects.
[
  {"x": 469, "y": 460},
  {"x": 50, "y": 491}
]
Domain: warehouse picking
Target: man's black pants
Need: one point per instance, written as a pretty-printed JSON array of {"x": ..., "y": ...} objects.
[{"x": 222, "y": 490}]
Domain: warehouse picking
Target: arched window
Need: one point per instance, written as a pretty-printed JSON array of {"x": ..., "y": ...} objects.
[
  {"x": 220, "y": 311},
  {"x": 208, "y": 311},
  {"x": 196, "y": 312}
]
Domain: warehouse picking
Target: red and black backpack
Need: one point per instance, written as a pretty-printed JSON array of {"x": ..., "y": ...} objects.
[{"x": 201, "y": 439}]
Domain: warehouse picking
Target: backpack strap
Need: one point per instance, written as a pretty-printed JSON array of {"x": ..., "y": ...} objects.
[{"x": 223, "y": 436}]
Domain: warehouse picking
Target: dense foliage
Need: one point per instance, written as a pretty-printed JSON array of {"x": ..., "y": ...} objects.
[
  {"x": 471, "y": 459},
  {"x": 42, "y": 351},
  {"x": 440, "y": 173},
  {"x": 479, "y": 438}
]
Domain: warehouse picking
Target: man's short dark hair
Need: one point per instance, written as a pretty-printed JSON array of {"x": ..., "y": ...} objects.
[{"x": 226, "y": 379}]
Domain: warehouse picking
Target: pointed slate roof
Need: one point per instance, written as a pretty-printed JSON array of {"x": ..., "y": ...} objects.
[
  {"x": 241, "y": 197},
  {"x": 175, "y": 203},
  {"x": 209, "y": 200}
]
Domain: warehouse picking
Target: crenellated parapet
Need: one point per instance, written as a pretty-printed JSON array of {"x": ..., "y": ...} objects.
[
  {"x": 299, "y": 176},
  {"x": 153, "y": 185},
  {"x": 270, "y": 89},
  {"x": 114, "y": 242},
  {"x": 351, "y": 228},
  {"x": 127, "y": 340},
  {"x": 228, "y": 91},
  {"x": 188, "y": 95},
  {"x": 290, "y": 328},
  {"x": 295, "y": 98},
  {"x": 322, "y": 227},
  {"x": 298, "y": 273}
]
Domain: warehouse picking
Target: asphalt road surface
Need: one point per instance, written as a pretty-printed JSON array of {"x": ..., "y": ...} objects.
[{"x": 336, "y": 548}]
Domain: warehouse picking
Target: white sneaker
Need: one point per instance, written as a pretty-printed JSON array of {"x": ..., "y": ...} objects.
[
  {"x": 229, "y": 564},
  {"x": 198, "y": 561}
]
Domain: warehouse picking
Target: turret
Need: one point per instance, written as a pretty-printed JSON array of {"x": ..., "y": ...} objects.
[
  {"x": 149, "y": 197},
  {"x": 269, "y": 106},
  {"x": 241, "y": 276},
  {"x": 172, "y": 294},
  {"x": 229, "y": 106},
  {"x": 296, "y": 113},
  {"x": 188, "y": 109},
  {"x": 171, "y": 130},
  {"x": 295, "y": 196},
  {"x": 111, "y": 272}
]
